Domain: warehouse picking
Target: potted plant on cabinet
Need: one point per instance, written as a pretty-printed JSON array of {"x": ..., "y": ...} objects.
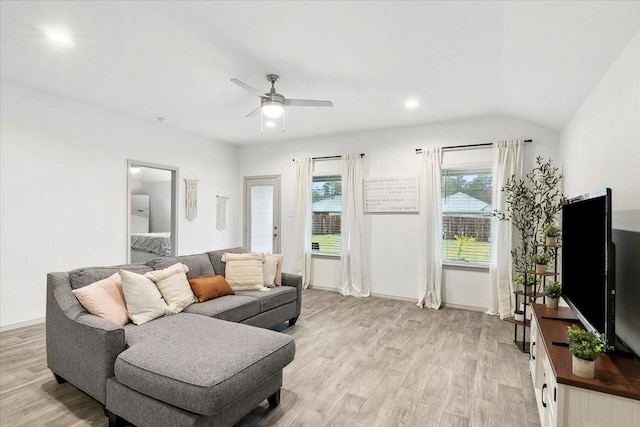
[
  {"x": 585, "y": 348},
  {"x": 552, "y": 292},
  {"x": 551, "y": 233},
  {"x": 541, "y": 260}
]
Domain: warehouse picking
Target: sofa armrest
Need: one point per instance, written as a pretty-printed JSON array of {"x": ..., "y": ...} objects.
[
  {"x": 295, "y": 281},
  {"x": 81, "y": 348}
]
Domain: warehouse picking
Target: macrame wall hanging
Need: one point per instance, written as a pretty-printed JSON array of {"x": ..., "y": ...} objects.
[
  {"x": 221, "y": 212},
  {"x": 191, "y": 198}
]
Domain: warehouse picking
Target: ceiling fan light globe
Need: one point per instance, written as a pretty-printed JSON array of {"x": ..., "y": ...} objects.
[{"x": 273, "y": 111}]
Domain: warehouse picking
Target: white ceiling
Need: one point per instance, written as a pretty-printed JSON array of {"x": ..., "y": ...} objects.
[{"x": 534, "y": 60}]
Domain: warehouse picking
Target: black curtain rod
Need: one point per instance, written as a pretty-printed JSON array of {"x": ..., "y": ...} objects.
[
  {"x": 328, "y": 157},
  {"x": 456, "y": 147}
]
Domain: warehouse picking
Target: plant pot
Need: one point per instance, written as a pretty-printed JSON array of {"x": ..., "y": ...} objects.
[
  {"x": 541, "y": 268},
  {"x": 552, "y": 302},
  {"x": 518, "y": 316},
  {"x": 551, "y": 241},
  {"x": 583, "y": 368}
]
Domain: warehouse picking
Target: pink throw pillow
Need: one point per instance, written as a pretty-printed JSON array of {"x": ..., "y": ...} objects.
[{"x": 105, "y": 299}]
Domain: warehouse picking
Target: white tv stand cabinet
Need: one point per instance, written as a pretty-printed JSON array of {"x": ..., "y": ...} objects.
[{"x": 612, "y": 399}]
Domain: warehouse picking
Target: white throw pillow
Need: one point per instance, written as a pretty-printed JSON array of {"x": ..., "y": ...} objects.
[
  {"x": 157, "y": 275},
  {"x": 174, "y": 286},
  {"x": 144, "y": 301},
  {"x": 270, "y": 269},
  {"x": 244, "y": 271}
]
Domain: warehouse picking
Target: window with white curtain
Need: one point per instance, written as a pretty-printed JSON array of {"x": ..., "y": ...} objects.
[
  {"x": 327, "y": 214},
  {"x": 466, "y": 215}
]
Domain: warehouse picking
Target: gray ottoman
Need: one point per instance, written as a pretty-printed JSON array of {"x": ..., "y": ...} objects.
[{"x": 188, "y": 369}]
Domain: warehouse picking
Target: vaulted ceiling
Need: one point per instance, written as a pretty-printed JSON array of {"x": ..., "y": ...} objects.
[{"x": 174, "y": 59}]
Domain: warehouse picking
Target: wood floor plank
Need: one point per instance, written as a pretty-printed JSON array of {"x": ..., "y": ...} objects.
[{"x": 359, "y": 362}]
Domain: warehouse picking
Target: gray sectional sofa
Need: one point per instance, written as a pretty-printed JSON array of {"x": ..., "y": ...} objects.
[{"x": 208, "y": 365}]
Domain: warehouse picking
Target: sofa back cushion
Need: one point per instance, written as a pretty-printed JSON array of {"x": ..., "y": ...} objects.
[
  {"x": 216, "y": 259},
  {"x": 85, "y": 276},
  {"x": 199, "y": 264}
]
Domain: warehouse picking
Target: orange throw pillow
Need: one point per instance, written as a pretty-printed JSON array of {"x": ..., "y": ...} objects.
[{"x": 210, "y": 287}]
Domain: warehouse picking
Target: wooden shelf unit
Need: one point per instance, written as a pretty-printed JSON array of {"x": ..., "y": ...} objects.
[
  {"x": 530, "y": 295},
  {"x": 612, "y": 398}
]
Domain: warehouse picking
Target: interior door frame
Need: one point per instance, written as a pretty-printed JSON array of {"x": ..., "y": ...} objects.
[
  {"x": 246, "y": 226},
  {"x": 174, "y": 202}
]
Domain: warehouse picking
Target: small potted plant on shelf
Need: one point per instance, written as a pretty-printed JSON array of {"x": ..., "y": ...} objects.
[
  {"x": 585, "y": 348},
  {"x": 518, "y": 279},
  {"x": 541, "y": 260},
  {"x": 551, "y": 234},
  {"x": 552, "y": 292}
]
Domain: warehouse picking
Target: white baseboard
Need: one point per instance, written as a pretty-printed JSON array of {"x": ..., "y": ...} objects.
[
  {"x": 22, "y": 324},
  {"x": 404, "y": 299}
]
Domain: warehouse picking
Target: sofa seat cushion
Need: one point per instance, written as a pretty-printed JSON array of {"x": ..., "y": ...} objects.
[
  {"x": 202, "y": 364},
  {"x": 272, "y": 299},
  {"x": 234, "y": 308}
]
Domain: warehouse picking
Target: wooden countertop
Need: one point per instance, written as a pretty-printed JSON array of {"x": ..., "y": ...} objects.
[{"x": 615, "y": 374}]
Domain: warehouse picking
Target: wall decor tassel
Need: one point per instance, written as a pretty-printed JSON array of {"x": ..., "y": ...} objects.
[
  {"x": 221, "y": 212},
  {"x": 191, "y": 198}
]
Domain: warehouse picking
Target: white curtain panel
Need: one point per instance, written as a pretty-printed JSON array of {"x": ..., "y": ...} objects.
[
  {"x": 304, "y": 181},
  {"x": 507, "y": 162},
  {"x": 430, "y": 278},
  {"x": 354, "y": 265}
]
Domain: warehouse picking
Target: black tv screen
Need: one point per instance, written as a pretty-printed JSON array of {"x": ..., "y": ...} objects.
[{"x": 588, "y": 268}]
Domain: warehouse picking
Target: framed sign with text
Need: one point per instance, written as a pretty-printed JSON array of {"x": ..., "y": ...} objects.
[{"x": 392, "y": 194}]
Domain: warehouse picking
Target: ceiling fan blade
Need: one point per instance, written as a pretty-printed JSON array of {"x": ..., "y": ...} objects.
[
  {"x": 249, "y": 88},
  {"x": 254, "y": 112},
  {"x": 307, "y": 103}
]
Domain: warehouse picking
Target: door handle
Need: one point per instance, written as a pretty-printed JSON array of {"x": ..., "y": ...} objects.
[
  {"x": 544, "y": 405},
  {"x": 275, "y": 234},
  {"x": 533, "y": 354}
]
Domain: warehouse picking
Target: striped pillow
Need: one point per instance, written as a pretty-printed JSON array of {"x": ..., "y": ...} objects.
[{"x": 244, "y": 271}]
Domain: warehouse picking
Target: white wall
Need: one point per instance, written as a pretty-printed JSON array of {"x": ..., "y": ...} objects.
[
  {"x": 600, "y": 146},
  {"x": 393, "y": 239},
  {"x": 64, "y": 190}
]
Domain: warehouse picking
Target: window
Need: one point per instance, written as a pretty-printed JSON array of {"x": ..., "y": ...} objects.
[
  {"x": 327, "y": 214},
  {"x": 466, "y": 215}
]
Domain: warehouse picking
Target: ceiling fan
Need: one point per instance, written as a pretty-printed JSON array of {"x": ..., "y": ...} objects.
[{"x": 272, "y": 103}]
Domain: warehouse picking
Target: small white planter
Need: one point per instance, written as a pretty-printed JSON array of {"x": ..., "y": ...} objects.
[
  {"x": 552, "y": 302},
  {"x": 551, "y": 241},
  {"x": 583, "y": 368},
  {"x": 541, "y": 268}
]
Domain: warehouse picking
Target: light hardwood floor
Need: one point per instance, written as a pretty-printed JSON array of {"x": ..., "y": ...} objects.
[{"x": 359, "y": 362}]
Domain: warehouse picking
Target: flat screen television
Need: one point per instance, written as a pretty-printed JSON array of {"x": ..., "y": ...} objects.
[{"x": 588, "y": 262}]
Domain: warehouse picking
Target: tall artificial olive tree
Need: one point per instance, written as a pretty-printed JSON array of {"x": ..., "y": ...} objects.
[{"x": 531, "y": 204}]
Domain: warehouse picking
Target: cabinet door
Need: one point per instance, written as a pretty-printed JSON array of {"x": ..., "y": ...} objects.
[{"x": 549, "y": 395}]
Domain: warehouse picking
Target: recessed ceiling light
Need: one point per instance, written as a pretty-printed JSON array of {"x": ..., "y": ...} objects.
[
  {"x": 270, "y": 124},
  {"x": 59, "y": 37},
  {"x": 411, "y": 103}
]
